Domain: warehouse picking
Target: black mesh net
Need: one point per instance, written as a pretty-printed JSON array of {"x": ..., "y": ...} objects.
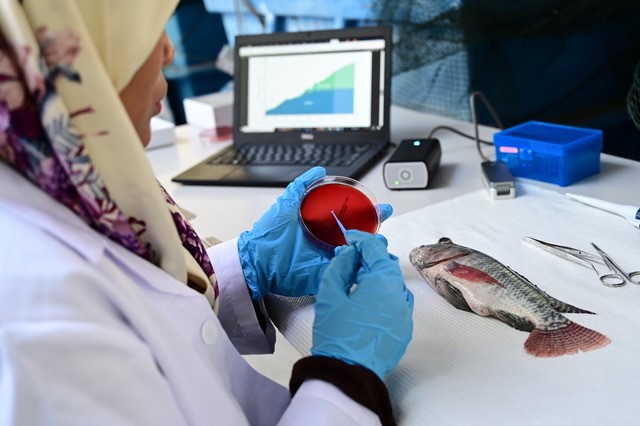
[
  {"x": 556, "y": 60},
  {"x": 633, "y": 98}
]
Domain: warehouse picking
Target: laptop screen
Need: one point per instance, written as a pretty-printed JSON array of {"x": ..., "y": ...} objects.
[{"x": 324, "y": 86}]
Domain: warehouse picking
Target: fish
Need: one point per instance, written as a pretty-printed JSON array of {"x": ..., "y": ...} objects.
[{"x": 473, "y": 281}]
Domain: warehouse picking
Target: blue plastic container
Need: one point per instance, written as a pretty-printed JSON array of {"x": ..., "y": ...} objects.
[{"x": 549, "y": 152}]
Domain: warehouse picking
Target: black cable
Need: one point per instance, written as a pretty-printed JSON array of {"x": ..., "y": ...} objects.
[
  {"x": 474, "y": 118},
  {"x": 458, "y": 132},
  {"x": 475, "y": 137}
]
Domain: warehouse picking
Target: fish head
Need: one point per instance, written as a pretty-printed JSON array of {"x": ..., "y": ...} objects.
[{"x": 427, "y": 256}]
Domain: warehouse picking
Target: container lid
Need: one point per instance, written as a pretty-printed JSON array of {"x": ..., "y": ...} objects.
[{"x": 548, "y": 136}]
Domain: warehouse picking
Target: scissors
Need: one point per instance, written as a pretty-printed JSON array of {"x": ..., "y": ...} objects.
[{"x": 616, "y": 278}]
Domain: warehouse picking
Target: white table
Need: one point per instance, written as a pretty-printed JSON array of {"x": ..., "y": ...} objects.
[{"x": 224, "y": 212}]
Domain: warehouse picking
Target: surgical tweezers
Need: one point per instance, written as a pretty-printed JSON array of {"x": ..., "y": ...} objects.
[{"x": 568, "y": 253}]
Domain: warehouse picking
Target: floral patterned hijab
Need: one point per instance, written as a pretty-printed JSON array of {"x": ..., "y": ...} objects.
[{"x": 63, "y": 126}]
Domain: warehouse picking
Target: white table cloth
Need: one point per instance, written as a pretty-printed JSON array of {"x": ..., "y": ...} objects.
[{"x": 463, "y": 369}]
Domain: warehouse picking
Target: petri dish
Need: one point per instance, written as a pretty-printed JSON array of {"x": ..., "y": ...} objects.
[{"x": 354, "y": 204}]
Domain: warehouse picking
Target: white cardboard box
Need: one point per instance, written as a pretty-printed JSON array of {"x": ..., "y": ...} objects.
[
  {"x": 162, "y": 133},
  {"x": 209, "y": 111}
]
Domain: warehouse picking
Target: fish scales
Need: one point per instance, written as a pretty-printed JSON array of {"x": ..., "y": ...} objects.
[{"x": 473, "y": 281}]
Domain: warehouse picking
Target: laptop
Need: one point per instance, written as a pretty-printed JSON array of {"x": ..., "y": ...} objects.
[{"x": 303, "y": 99}]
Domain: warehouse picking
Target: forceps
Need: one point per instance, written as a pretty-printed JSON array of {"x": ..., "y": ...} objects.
[{"x": 616, "y": 278}]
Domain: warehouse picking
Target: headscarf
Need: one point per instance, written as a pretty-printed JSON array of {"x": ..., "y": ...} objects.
[{"x": 63, "y": 126}]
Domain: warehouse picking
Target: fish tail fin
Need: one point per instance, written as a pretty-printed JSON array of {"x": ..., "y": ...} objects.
[{"x": 564, "y": 341}]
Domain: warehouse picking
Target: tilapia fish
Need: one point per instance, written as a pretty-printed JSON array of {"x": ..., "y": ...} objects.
[{"x": 472, "y": 281}]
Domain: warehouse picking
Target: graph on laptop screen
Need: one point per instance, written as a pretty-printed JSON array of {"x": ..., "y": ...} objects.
[{"x": 327, "y": 86}]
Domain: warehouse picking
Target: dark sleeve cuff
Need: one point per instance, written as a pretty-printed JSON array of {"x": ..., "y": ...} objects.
[{"x": 358, "y": 383}]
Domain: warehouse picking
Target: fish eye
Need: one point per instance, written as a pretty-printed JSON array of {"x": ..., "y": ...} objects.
[{"x": 444, "y": 240}]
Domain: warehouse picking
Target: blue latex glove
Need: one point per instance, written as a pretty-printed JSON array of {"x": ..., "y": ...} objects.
[
  {"x": 371, "y": 325},
  {"x": 275, "y": 255}
]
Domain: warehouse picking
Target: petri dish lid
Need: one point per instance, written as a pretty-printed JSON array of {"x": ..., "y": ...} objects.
[{"x": 354, "y": 204}]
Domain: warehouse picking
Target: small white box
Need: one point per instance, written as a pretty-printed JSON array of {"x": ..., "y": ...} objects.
[
  {"x": 209, "y": 111},
  {"x": 162, "y": 133}
]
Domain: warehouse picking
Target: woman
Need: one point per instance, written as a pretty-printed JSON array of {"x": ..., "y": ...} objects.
[{"x": 111, "y": 309}]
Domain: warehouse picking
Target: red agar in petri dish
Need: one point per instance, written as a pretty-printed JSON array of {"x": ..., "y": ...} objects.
[{"x": 351, "y": 202}]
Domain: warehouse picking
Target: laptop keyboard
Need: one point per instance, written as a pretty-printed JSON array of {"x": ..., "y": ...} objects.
[{"x": 334, "y": 155}]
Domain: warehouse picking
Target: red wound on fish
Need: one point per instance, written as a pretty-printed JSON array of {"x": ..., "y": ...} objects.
[
  {"x": 564, "y": 341},
  {"x": 471, "y": 274}
]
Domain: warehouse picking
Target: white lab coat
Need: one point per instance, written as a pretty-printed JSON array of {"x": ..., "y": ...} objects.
[{"x": 92, "y": 334}]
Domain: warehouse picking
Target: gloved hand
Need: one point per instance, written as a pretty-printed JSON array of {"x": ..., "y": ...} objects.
[
  {"x": 371, "y": 325},
  {"x": 275, "y": 255}
]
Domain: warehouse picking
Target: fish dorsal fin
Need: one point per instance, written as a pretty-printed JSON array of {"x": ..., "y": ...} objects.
[
  {"x": 557, "y": 305},
  {"x": 565, "y": 308}
]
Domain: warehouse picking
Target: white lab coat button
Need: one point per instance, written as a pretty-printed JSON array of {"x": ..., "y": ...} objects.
[{"x": 209, "y": 332}]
